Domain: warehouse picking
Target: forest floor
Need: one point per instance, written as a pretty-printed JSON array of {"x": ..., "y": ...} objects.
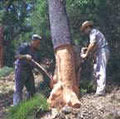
[
  {"x": 6, "y": 93},
  {"x": 107, "y": 107},
  {"x": 7, "y": 90}
]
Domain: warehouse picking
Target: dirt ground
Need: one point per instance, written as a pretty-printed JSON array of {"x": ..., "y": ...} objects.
[
  {"x": 107, "y": 107},
  {"x": 6, "y": 93}
]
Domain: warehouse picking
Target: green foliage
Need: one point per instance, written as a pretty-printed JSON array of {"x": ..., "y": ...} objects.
[
  {"x": 106, "y": 17},
  {"x": 40, "y": 23},
  {"x": 13, "y": 14},
  {"x": 39, "y": 18},
  {"x": 81, "y": 10},
  {"x": 23, "y": 18},
  {"x": 87, "y": 86},
  {"x": 26, "y": 109},
  {"x": 5, "y": 71}
]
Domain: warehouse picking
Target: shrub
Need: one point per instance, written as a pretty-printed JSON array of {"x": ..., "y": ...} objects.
[
  {"x": 26, "y": 109},
  {"x": 5, "y": 71}
]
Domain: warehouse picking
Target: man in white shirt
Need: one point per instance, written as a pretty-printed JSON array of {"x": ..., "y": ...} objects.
[{"x": 98, "y": 46}]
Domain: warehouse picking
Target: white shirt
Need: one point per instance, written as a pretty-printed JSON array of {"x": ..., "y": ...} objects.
[{"x": 97, "y": 37}]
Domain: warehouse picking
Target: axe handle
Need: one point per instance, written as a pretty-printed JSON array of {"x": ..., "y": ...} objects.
[{"x": 41, "y": 68}]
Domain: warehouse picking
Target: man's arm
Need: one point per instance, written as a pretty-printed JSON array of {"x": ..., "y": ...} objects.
[
  {"x": 90, "y": 48},
  {"x": 21, "y": 52},
  {"x": 20, "y": 56}
]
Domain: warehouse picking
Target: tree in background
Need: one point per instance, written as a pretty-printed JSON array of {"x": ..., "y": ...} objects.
[
  {"x": 1, "y": 47},
  {"x": 14, "y": 14}
]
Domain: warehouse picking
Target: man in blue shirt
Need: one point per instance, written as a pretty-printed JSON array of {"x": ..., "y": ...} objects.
[{"x": 23, "y": 69}]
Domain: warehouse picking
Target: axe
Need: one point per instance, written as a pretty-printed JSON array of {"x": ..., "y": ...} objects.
[
  {"x": 52, "y": 82},
  {"x": 41, "y": 68}
]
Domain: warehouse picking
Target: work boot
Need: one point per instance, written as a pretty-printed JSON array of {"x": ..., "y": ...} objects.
[
  {"x": 17, "y": 98},
  {"x": 99, "y": 95}
]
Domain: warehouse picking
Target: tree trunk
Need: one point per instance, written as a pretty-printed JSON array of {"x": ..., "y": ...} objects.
[
  {"x": 65, "y": 91},
  {"x": 1, "y": 47}
]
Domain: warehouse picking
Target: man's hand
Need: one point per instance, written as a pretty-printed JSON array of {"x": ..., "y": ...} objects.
[
  {"x": 83, "y": 50},
  {"x": 90, "y": 48},
  {"x": 28, "y": 57},
  {"x": 84, "y": 56},
  {"x": 83, "y": 53}
]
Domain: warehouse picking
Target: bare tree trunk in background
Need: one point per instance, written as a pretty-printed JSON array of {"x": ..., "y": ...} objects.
[
  {"x": 65, "y": 91},
  {"x": 1, "y": 47}
]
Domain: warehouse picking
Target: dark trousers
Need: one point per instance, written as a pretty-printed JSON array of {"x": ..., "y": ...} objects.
[{"x": 23, "y": 77}]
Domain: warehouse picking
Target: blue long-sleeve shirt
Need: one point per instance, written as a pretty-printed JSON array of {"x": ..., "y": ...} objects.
[{"x": 24, "y": 49}]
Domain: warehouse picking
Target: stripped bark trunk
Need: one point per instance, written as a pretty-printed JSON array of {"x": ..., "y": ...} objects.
[{"x": 65, "y": 91}]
